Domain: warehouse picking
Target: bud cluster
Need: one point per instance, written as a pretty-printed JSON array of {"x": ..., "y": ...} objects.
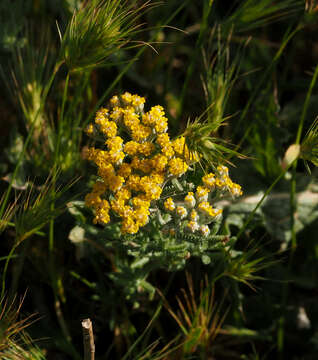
[{"x": 196, "y": 209}]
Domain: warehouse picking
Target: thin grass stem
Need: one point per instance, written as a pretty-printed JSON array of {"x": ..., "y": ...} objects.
[
  {"x": 29, "y": 137},
  {"x": 260, "y": 84},
  {"x": 267, "y": 192},
  {"x": 54, "y": 279},
  {"x": 203, "y": 29},
  {"x": 5, "y": 269},
  {"x": 293, "y": 209},
  {"x": 131, "y": 62}
]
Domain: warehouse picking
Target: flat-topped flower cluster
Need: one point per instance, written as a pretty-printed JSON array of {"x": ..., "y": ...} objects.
[
  {"x": 137, "y": 161},
  {"x": 133, "y": 172}
]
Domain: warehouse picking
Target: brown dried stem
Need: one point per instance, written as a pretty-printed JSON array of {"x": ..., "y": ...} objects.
[{"x": 88, "y": 340}]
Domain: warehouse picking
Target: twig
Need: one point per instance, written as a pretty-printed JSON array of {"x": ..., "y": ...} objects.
[{"x": 88, "y": 340}]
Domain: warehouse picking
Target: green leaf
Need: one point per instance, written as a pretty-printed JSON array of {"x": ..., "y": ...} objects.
[
  {"x": 245, "y": 332},
  {"x": 139, "y": 263},
  {"x": 76, "y": 209},
  {"x": 277, "y": 213}
]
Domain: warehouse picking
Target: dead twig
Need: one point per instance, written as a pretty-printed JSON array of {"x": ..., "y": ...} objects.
[{"x": 88, "y": 340}]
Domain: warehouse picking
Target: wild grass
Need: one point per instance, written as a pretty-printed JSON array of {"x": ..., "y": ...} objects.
[{"x": 239, "y": 83}]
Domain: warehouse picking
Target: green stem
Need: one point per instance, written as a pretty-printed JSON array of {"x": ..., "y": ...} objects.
[
  {"x": 279, "y": 177},
  {"x": 18, "y": 267},
  {"x": 11, "y": 224},
  {"x": 17, "y": 243},
  {"x": 293, "y": 209},
  {"x": 56, "y": 157},
  {"x": 305, "y": 108}
]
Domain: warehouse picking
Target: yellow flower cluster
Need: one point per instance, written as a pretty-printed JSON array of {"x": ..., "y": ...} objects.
[
  {"x": 133, "y": 172},
  {"x": 196, "y": 208},
  {"x": 221, "y": 181},
  {"x": 195, "y": 213}
]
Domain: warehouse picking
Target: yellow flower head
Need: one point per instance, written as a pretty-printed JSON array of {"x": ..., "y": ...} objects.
[
  {"x": 123, "y": 194},
  {"x": 209, "y": 180},
  {"x": 101, "y": 116},
  {"x": 133, "y": 182},
  {"x": 114, "y": 101},
  {"x": 141, "y": 216},
  {"x": 90, "y": 129},
  {"x": 99, "y": 187},
  {"x": 140, "y": 132},
  {"x": 146, "y": 148},
  {"x": 177, "y": 166},
  {"x": 194, "y": 215},
  {"x": 115, "y": 144},
  {"x": 139, "y": 202},
  {"x": 115, "y": 183},
  {"x": 181, "y": 211},
  {"x": 92, "y": 200},
  {"x": 137, "y": 160},
  {"x": 157, "y": 178},
  {"x": 109, "y": 129},
  {"x": 145, "y": 165},
  {"x": 236, "y": 190},
  {"x": 159, "y": 162},
  {"x": 138, "y": 102},
  {"x": 207, "y": 209},
  {"x": 223, "y": 170},
  {"x": 131, "y": 148},
  {"x": 116, "y": 114},
  {"x": 124, "y": 170},
  {"x": 129, "y": 226},
  {"x": 179, "y": 145},
  {"x": 153, "y": 191},
  {"x": 163, "y": 140},
  {"x": 169, "y": 204},
  {"x": 204, "y": 230},
  {"x": 102, "y": 216},
  {"x": 102, "y": 212},
  {"x": 106, "y": 171},
  {"x": 192, "y": 226},
  {"x": 190, "y": 200},
  {"x": 202, "y": 193}
]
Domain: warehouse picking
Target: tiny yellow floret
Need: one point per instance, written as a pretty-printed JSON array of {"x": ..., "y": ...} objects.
[
  {"x": 169, "y": 204},
  {"x": 181, "y": 211}
]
